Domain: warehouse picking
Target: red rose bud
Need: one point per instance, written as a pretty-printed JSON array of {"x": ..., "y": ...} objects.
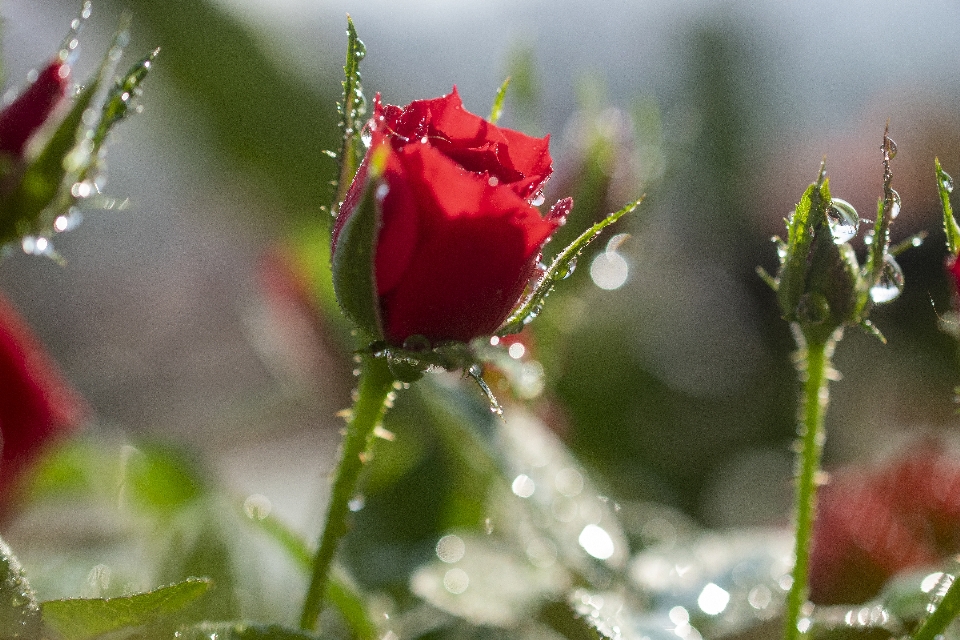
[
  {"x": 953, "y": 269},
  {"x": 457, "y": 235},
  {"x": 37, "y": 406},
  {"x": 31, "y": 109}
]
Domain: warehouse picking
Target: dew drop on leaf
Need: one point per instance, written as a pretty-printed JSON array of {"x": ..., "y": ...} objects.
[
  {"x": 843, "y": 220},
  {"x": 890, "y": 284}
]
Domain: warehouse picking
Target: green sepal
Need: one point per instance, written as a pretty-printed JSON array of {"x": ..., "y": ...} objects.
[
  {"x": 352, "y": 109},
  {"x": 122, "y": 95},
  {"x": 353, "y": 260},
  {"x": 809, "y": 215},
  {"x": 241, "y": 631},
  {"x": 950, "y": 226},
  {"x": 83, "y": 619},
  {"x": 497, "y": 109},
  {"x": 877, "y": 252},
  {"x": 559, "y": 269},
  {"x": 19, "y": 612}
]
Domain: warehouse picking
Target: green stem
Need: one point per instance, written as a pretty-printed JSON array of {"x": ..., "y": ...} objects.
[
  {"x": 813, "y": 362},
  {"x": 946, "y": 611},
  {"x": 376, "y": 383}
]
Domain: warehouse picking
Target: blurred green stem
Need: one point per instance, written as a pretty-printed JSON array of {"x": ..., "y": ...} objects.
[
  {"x": 946, "y": 611},
  {"x": 376, "y": 383},
  {"x": 813, "y": 363}
]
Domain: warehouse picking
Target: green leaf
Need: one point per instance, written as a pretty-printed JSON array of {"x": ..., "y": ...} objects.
[
  {"x": 950, "y": 226},
  {"x": 19, "y": 613},
  {"x": 160, "y": 478},
  {"x": 559, "y": 269},
  {"x": 241, "y": 631},
  {"x": 352, "y": 108},
  {"x": 497, "y": 110},
  {"x": 353, "y": 260},
  {"x": 80, "y": 619}
]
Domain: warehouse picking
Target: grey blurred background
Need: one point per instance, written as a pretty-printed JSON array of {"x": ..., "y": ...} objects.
[{"x": 160, "y": 319}]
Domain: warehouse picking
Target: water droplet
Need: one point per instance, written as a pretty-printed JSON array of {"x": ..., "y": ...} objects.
[
  {"x": 523, "y": 486},
  {"x": 36, "y": 246},
  {"x": 596, "y": 541},
  {"x": 843, "y": 220},
  {"x": 569, "y": 482},
  {"x": 451, "y": 549},
  {"x": 542, "y": 552},
  {"x": 868, "y": 237},
  {"x": 417, "y": 342},
  {"x": 257, "y": 506},
  {"x": 68, "y": 221},
  {"x": 565, "y": 271},
  {"x": 382, "y": 191},
  {"x": 456, "y": 581},
  {"x": 366, "y": 135},
  {"x": 895, "y": 205},
  {"x": 494, "y": 341},
  {"x": 516, "y": 350},
  {"x": 713, "y": 599},
  {"x": 760, "y": 597},
  {"x": 493, "y": 181},
  {"x": 82, "y": 189},
  {"x": 890, "y": 284},
  {"x": 538, "y": 199},
  {"x": 946, "y": 181},
  {"x": 356, "y": 503},
  {"x": 609, "y": 271},
  {"x": 891, "y": 148}
]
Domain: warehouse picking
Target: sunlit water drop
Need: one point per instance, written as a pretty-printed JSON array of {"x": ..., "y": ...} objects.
[
  {"x": 596, "y": 541},
  {"x": 566, "y": 270},
  {"x": 946, "y": 181},
  {"x": 890, "y": 284},
  {"x": 895, "y": 205},
  {"x": 843, "y": 220},
  {"x": 257, "y": 506},
  {"x": 450, "y": 549},
  {"x": 609, "y": 270}
]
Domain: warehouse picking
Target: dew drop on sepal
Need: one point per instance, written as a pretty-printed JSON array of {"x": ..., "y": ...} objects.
[
  {"x": 566, "y": 270},
  {"x": 895, "y": 205},
  {"x": 843, "y": 220},
  {"x": 946, "y": 181},
  {"x": 890, "y": 284}
]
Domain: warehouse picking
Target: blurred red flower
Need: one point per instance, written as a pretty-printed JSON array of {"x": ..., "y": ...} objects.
[
  {"x": 30, "y": 110},
  {"x": 459, "y": 235},
  {"x": 37, "y": 406},
  {"x": 873, "y": 524}
]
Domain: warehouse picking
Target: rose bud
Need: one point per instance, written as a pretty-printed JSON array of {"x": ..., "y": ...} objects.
[
  {"x": 37, "y": 406},
  {"x": 455, "y": 235},
  {"x": 31, "y": 109}
]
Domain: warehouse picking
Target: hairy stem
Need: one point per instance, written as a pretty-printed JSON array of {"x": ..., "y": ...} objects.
[
  {"x": 813, "y": 364},
  {"x": 376, "y": 383}
]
